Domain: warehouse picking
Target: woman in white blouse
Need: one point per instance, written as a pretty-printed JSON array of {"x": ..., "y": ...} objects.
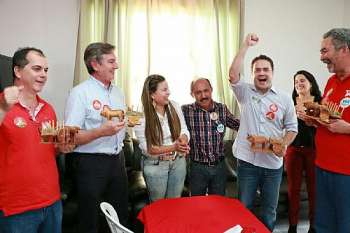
[{"x": 163, "y": 138}]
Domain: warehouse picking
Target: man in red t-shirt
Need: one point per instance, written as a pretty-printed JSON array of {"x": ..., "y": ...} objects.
[
  {"x": 332, "y": 140},
  {"x": 29, "y": 185}
]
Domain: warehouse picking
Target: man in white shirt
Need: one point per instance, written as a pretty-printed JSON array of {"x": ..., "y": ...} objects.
[
  {"x": 267, "y": 112},
  {"x": 100, "y": 172}
]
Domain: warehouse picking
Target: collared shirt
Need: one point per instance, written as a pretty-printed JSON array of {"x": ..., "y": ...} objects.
[
  {"x": 269, "y": 114},
  {"x": 207, "y": 129},
  {"x": 167, "y": 139},
  {"x": 83, "y": 108},
  {"x": 28, "y": 171},
  {"x": 333, "y": 151}
]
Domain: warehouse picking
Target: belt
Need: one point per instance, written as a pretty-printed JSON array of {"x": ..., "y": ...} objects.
[
  {"x": 167, "y": 157},
  {"x": 170, "y": 157},
  {"x": 210, "y": 163},
  {"x": 96, "y": 154}
]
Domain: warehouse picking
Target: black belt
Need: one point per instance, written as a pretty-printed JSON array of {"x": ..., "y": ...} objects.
[
  {"x": 210, "y": 163},
  {"x": 95, "y": 154}
]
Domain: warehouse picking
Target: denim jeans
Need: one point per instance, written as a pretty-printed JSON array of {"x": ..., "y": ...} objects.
[
  {"x": 164, "y": 179},
  {"x": 332, "y": 213},
  {"x": 268, "y": 181},
  {"x": 44, "y": 220},
  {"x": 205, "y": 178}
]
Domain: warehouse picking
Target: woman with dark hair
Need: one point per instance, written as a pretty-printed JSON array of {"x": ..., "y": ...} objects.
[
  {"x": 300, "y": 156},
  {"x": 163, "y": 138}
]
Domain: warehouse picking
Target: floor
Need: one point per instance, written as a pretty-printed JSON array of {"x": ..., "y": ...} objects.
[
  {"x": 303, "y": 226},
  {"x": 282, "y": 217},
  {"x": 282, "y": 226},
  {"x": 282, "y": 220}
]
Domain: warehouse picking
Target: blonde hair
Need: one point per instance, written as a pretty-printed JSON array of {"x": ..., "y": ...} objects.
[{"x": 153, "y": 128}]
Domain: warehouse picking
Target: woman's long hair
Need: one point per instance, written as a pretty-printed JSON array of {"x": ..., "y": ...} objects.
[
  {"x": 314, "y": 90},
  {"x": 153, "y": 128}
]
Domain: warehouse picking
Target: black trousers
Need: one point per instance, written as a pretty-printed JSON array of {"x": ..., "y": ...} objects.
[{"x": 100, "y": 177}]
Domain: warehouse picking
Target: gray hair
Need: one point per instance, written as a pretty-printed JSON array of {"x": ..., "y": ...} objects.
[
  {"x": 340, "y": 37},
  {"x": 95, "y": 51}
]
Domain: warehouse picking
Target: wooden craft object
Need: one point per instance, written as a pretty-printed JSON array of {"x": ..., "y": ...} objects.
[
  {"x": 258, "y": 143},
  {"x": 67, "y": 134},
  {"x": 323, "y": 112},
  {"x": 312, "y": 109},
  {"x": 108, "y": 113},
  {"x": 133, "y": 118},
  {"x": 265, "y": 145},
  {"x": 276, "y": 146},
  {"x": 58, "y": 133}
]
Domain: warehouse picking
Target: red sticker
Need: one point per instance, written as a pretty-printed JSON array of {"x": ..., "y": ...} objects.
[
  {"x": 96, "y": 104},
  {"x": 270, "y": 115}
]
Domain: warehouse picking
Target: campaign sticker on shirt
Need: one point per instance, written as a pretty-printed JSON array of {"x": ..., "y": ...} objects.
[
  {"x": 345, "y": 102},
  {"x": 20, "y": 122},
  {"x": 214, "y": 116},
  {"x": 273, "y": 108},
  {"x": 347, "y": 93},
  {"x": 96, "y": 104},
  {"x": 220, "y": 128},
  {"x": 270, "y": 116}
]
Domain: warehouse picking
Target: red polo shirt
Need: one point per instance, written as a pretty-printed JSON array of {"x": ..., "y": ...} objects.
[
  {"x": 333, "y": 149},
  {"x": 28, "y": 171}
]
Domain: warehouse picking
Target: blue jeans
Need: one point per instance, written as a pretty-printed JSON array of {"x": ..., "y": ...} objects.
[
  {"x": 332, "y": 213},
  {"x": 44, "y": 220},
  {"x": 268, "y": 181},
  {"x": 164, "y": 179},
  {"x": 205, "y": 178}
]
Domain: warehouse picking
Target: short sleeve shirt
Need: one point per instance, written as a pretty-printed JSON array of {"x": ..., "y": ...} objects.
[
  {"x": 83, "y": 108},
  {"x": 269, "y": 114}
]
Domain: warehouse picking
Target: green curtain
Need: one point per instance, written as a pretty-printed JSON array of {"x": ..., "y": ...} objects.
[{"x": 179, "y": 39}]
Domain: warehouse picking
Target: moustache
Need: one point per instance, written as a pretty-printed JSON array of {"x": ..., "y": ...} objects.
[{"x": 204, "y": 99}]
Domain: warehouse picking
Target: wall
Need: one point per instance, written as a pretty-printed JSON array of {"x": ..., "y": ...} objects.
[
  {"x": 51, "y": 26},
  {"x": 346, "y": 13},
  {"x": 290, "y": 32}
]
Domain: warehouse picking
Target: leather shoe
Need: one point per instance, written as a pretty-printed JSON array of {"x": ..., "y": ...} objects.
[
  {"x": 292, "y": 229},
  {"x": 311, "y": 230}
]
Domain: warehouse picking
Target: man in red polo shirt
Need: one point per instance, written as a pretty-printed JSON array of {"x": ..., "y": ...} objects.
[
  {"x": 29, "y": 186},
  {"x": 332, "y": 140}
]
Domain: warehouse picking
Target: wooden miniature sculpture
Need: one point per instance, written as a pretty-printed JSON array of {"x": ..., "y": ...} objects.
[
  {"x": 258, "y": 143},
  {"x": 276, "y": 146},
  {"x": 133, "y": 118},
  {"x": 108, "y": 113},
  {"x": 323, "y": 112},
  {"x": 67, "y": 134},
  {"x": 58, "y": 133},
  {"x": 265, "y": 145}
]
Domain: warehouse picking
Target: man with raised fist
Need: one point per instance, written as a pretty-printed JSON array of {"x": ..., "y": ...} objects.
[{"x": 268, "y": 112}]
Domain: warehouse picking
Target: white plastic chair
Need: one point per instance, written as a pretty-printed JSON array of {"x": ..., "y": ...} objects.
[{"x": 112, "y": 219}]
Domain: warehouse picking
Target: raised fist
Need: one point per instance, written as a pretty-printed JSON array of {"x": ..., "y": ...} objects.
[
  {"x": 11, "y": 95},
  {"x": 251, "y": 39}
]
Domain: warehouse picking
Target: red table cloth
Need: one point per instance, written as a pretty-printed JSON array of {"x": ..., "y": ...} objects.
[{"x": 205, "y": 214}]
